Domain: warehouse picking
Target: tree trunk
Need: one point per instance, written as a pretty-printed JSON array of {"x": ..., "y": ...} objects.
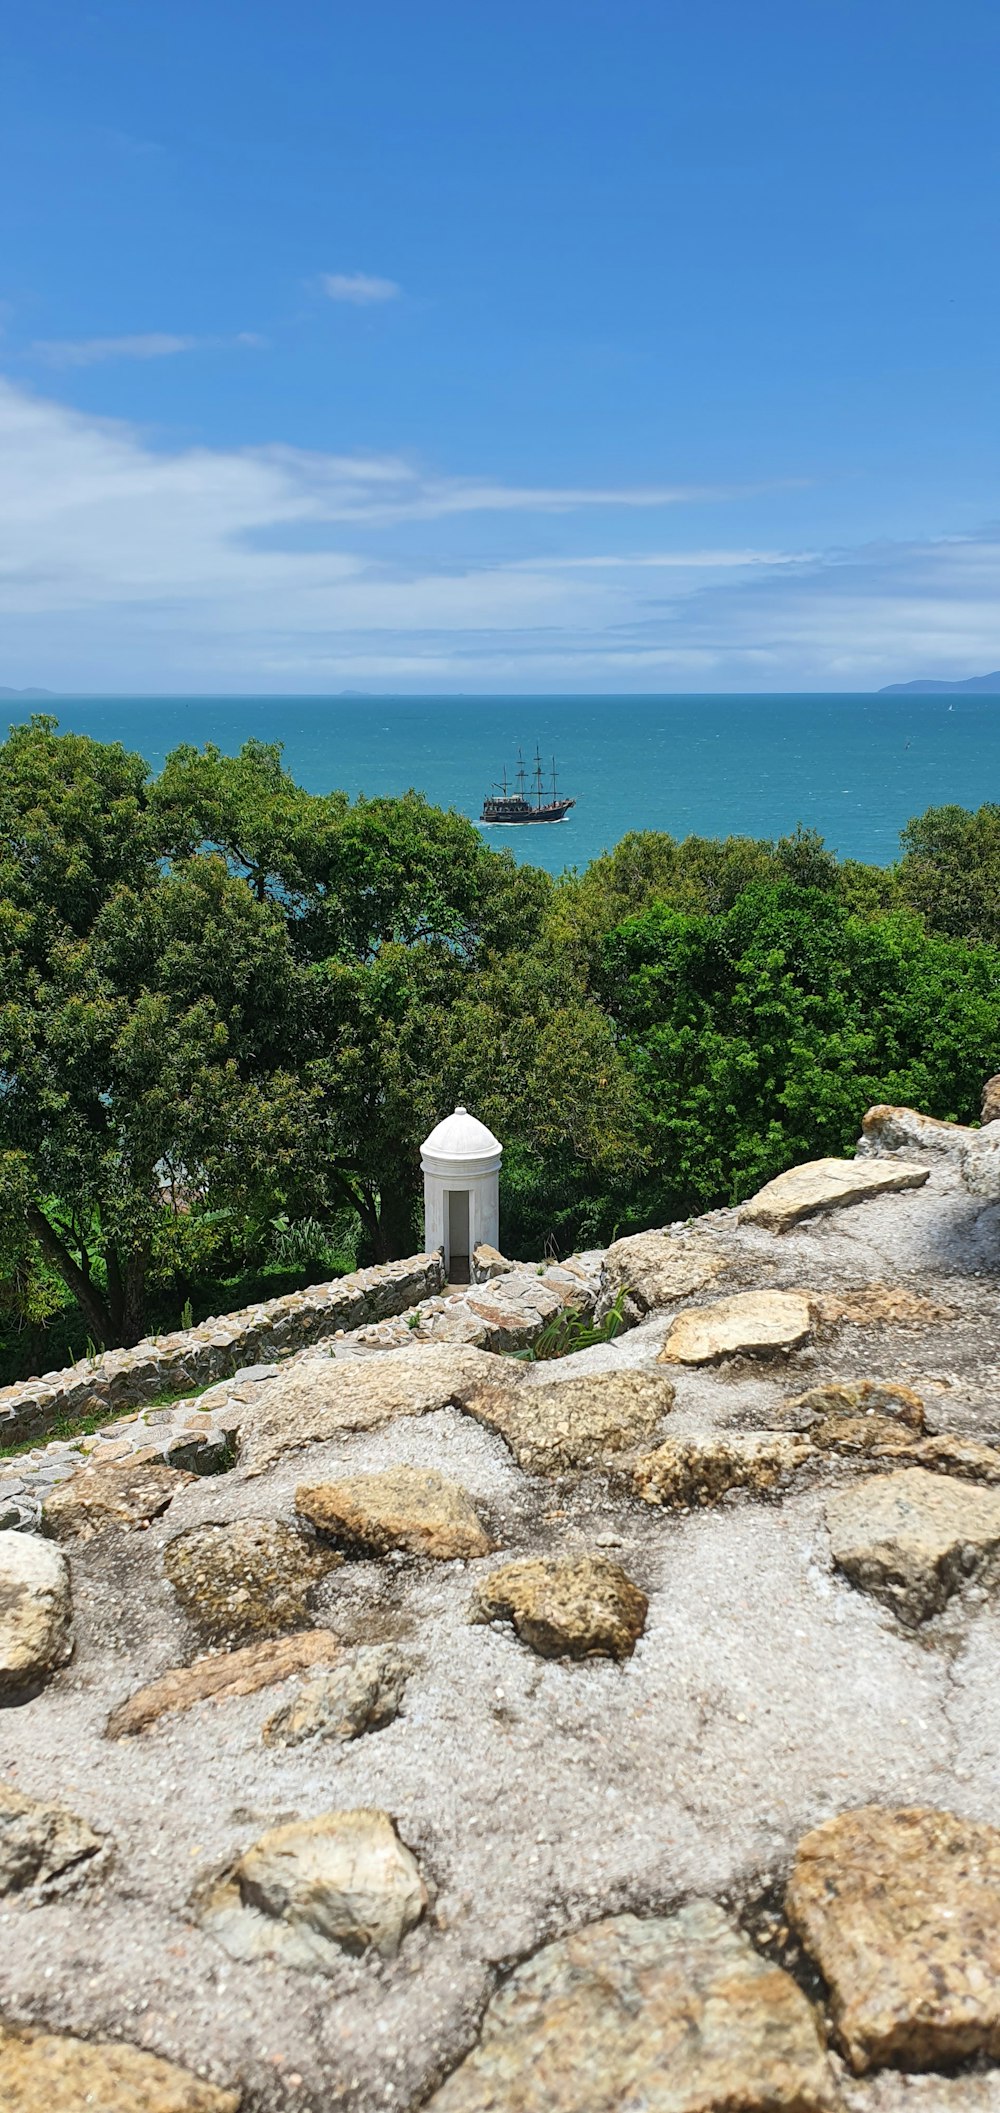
[
  {"x": 127, "y": 1293},
  {"x": 96, "y": 1311}
]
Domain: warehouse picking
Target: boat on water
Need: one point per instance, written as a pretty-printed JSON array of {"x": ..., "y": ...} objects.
[{"x": 518, "y": 804}]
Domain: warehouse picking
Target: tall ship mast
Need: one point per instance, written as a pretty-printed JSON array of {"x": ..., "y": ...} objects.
[{"x": 503, "y": 805}]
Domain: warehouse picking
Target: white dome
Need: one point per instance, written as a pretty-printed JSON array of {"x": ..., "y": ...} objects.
[{"x": 460, "y": 1136}]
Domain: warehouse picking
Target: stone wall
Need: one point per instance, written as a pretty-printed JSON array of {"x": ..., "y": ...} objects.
[{"x": 173, "y": 1364}]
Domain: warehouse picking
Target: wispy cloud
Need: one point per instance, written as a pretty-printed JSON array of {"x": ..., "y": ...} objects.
[
  {"x": 143, "y": 345},
  {"x": 124, "y": 565},
  {"x": 359, "y": 288}
]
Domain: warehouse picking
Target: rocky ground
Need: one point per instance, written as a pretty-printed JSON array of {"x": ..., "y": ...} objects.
[{"x": 615, "y": 1733}]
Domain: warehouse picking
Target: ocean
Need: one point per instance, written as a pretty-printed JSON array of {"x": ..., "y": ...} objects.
[{"x": 854, "y": 767}]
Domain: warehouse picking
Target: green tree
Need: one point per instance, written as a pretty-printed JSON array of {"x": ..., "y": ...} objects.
[
  {"x": 758, "y": 1038},
  {"x": 950, "y": 870}
]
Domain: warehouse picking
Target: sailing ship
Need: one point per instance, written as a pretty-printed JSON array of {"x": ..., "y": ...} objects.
[{"x": 517, "y": 804}]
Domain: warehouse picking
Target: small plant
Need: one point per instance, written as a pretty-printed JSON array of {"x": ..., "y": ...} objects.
[
  {"x": 570, "y": 1331},
  {"x": 187, "y": 1315}
]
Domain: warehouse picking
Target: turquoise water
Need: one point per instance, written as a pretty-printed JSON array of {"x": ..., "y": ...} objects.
[{"x": 855, "y": 767}]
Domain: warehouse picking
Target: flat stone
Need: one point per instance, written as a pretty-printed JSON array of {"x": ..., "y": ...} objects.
[
  {"x": 39, "y": 1842},
  {"x": 361, "y": 1695},
  {"x": 827, "y": 1185},
  {"x": 98, "y": 1499},
  {"x": 222, "y": 1674},
  {"x": 685, "y": 1472},
  {"x": 673, "y": 2015},
  {"x": 901, "y": 1911},
  {"x": 251, "y": 1577},
  {"x": 565, "y": 1424},
  {"x": 878, "y": 1306},
  {"x": 852, "y": 1398},
  {"x": 751, "y": 1324},
  {"x": 52, "y": 2072},
  {"x": 309, "y": 1891},
  {"x": 319, "y": 1397},
  {"x": 413, "y": 1508},
  {"x": 36, "y": 1612},
  {"x": 656, "y": 1269},
  {"x": 567, "y": 1606},
  {"x": 890, "y": 1129},
  {"x": 912, "y": 1538}
]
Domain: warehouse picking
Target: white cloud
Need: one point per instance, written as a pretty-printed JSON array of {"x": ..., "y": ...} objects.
[
  {"x": 146, "y": 345},
  {"x": 128, "y": 566},
  {"x": 359, "y": 287}
]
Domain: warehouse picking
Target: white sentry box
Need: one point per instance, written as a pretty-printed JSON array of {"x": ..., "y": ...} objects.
[{"x": 461, "y": 1168}]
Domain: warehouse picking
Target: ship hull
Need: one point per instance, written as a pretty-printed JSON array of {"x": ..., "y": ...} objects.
[{"x": 555, "y": 811}]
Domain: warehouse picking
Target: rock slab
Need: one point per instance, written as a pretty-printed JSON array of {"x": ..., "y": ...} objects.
[
  {"x": 647, "y": 1271},
  {"x": 751, "y": 1324},
  {"x": 320, "y": 1397},
  {"x": 53, "y": 2072},
  {"x": 36, "y": 1612},
  {"x": 566, "y": 1607},
  {"x": 413, "y": 1508},
  {"x": 901, "y": 1910},
  {"x": 563, "y": 1425},
  {"x": 362, "y": 1695},
  {"x": 222, "y": 1674},
  {"x": 912, "y": 1538},
  {"x": 124, "y": 1496},
  {"x": 827, "y": 1185},
  {"x": 39, "y": 1842},
  {"x": 675, "y": 2015},
  {"x": 309, "y": 1891}
]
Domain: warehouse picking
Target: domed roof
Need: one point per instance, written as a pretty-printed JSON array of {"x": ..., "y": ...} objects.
[{"x": 460, "y": 1136}]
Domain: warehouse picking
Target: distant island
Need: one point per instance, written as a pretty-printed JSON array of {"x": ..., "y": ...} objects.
[
  {"x": 25, "y": 693},
  {"x": 976, "y": 685}
]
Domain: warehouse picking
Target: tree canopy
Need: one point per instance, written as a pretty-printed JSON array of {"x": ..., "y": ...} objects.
[{"x": 231, "y": 1009}]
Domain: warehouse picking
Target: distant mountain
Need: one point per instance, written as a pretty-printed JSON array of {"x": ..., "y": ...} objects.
[
  {"x": 25, "y": 693},
  {"x": 977, "y": 685}
]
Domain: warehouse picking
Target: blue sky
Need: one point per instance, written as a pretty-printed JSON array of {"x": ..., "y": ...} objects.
[{"x": 560, "y": 346}]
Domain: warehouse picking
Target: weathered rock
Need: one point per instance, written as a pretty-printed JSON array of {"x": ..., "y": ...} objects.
[
  {"x": 39, "y": 1842},
  {"x": 362, "y": 1695},
  {"x": 851, "y": 1398},
  {"x": 881, "y": 1438},
  {"x": 36, "y": 1612},
  {"x": 751, "y": 1324},
  {"x": 990, "y": 1105},
  {"x": 307, "y": 1892},
  {"x": 676, "y": 2015},
  {"x": 126, "y": 1495},
  {"x": 878, "y": 1306},
  {"x": 488, "y": 1262},
  {"x": 651, "y": 1270},
  {"x": 980, "y": 1163},
  {"x": 888, "y": 1129},
  {"x": 827, "y": 1185},
  {"x": 320, "y": 1397},
  {"x": 901, "y": 1910},
  {"x": 413, "y": 1508},
  {"x": 52, "y": 2072},
  {"x": 573, "y": 1423},
  {"x": 223, "y": 1674},
  {"x": 685, "y": 1472},
  {"x": 251, "y": 1577},
  {"x": 566, "y": 1607},
  {"x": 912, "y": 1538}
]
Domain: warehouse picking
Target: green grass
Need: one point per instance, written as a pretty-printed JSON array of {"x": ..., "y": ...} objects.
[{"x": 570, "y": 1331}]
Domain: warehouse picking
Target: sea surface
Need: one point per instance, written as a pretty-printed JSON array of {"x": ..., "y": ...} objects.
[{"x": 854, "y": 767}]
